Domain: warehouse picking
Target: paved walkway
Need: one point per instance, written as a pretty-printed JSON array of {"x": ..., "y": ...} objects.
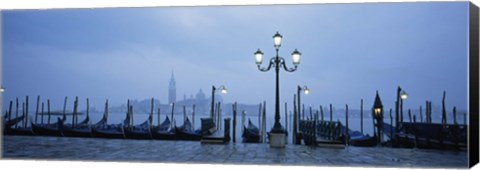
[{"x": 58, "y": 148}]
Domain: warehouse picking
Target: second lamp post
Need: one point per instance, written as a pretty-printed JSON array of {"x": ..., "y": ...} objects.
[{"x": 277, "y": 62}]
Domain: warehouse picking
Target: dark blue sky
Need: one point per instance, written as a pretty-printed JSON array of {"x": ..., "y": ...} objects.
[{"x": 349, "y": 52}]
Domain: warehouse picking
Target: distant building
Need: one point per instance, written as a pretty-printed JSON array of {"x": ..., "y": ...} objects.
[{"x": 172, "y": 90}]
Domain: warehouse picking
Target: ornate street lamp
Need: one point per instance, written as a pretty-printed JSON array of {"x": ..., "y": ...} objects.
[
  {"x": 306, "y": 91},
  {"x": 223, "y": 90},
  {"x": 277, "y": 62}
]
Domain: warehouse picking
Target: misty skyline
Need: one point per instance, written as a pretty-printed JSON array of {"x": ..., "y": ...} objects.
[{"x": 348, "y": 52}]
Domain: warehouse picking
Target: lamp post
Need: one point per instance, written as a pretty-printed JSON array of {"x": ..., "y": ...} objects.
[
  {"x": 378, "y": 116},
  {"x": 2, "y": 89},
  {"x": 277, "y": 62},
  {"x": 306, "y": 91},
  {"x": 222, "y": 90},
  {"x": 403, "y": 96}
]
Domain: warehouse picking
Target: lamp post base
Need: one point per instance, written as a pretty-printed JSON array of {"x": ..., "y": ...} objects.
[{"x": 277, "y": 140}]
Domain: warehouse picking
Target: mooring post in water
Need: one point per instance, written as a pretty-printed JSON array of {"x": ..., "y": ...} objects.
[
  {"x": 75, "y": 110},
  {"x": 260, "y": 109},
  {"x": 42, "y": 114},
  {"x": 321, "y": 112},
  {"x": 465, "y": 119},
  {"x": 391, "y": 129},
  {"x": 88, "y": 111},
  {"x": 10, "y": 110},
  {"x": 16, "y": 113},
  {"x": 65, "y": 108},
  {"x": 286, "y": 117},
  {"x": 73, "y": 113},
  {"x": 234, "y": 112},
  {"x": 193, "y": 116},
  {"x": 26, "y": 111},
  {"x": 184, "y": 114},
  {"x": 311, "y": 114},
  {"x": 151, "y": 111},
  {"x": 421, "y": 117},
  {"x": 454, "y": 115},
  {"x": 158, "y": 116},
  {"x": 243, "y": 120},
  {"x": 346, "y": 125},
  {"x": 264, "y": 123},
  {"x": 48, "y": 111},
  {"x": 36, "y": 111},
  {"x": 415, "y": 132},
  {"x": 410, "y": 115},
  {"x": 303, "y": 111},
  {"x": 131, "y": 113},
  {"x": 331, "y": 110},
  {"x": 23, "y": 114},
  {"x": 173, "y": 121},
  {"x": 361, "y": 116},
  {"x": 295, "y": 119},
  {"x": 444, "y": 111}
]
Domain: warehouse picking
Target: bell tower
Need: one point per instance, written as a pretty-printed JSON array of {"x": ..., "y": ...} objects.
[{"x": 172, "y": 90}]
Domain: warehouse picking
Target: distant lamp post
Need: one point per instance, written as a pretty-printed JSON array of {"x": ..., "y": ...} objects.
[
  {"x": 378, "y": 117},
  {"x": 2, "y": 89},
  {"x": 306, "y": 91},
  {"x": 223, "y": 90},
  {"x": 277, "y": 132},
  {"x": 403, "y": 96}
]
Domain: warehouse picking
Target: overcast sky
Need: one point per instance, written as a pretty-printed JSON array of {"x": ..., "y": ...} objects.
[{"x": 348, "y": 52}]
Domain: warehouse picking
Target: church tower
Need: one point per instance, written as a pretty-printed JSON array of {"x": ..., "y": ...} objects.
[{"x": 172, "y": 90}]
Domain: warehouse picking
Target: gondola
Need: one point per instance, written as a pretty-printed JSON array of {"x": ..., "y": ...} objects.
[
  {"x": 251, "y": 134},
  {"x": 186, "y": 132},
  {"x": 11, "y": 122},
  {"x": 54, "y": 129},
  {"x": 363, "y": 140},
  {"x": 22, "y": 131},
  {"x": 112, "y": 131},
  {"x": 141, "y": 131},
  {"x": 82, "y": 129},
  {"x": 163, "y": 132}
]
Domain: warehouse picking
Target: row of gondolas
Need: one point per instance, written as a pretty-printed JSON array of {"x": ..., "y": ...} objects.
[
  {"x": 125, "y": 130},
  {"x": 167, "y": 130}
]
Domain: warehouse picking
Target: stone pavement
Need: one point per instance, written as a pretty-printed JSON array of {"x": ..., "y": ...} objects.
[{"x": 62, "y": 148}]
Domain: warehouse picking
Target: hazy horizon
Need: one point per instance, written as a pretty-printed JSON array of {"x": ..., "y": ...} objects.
[{"x": 349, "y": 51}]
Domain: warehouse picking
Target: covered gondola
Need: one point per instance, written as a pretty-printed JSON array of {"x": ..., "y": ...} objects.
[
  {"x": 22, "y": 131},
  {"x": 163, "y": 131},
  {"x": 186, "y": 132},
  {"x": 141, "y": 131},
  {"x": 362, "y": 140},
  {"x": 82, "y": 129},
  {"x": 251, "y": 133},
  {"x": 109, "y": 131},
  {"x": 54, "y": 129}
]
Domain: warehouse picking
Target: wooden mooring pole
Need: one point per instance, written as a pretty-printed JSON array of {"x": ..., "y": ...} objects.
[
  {"x": 41, "y": 117},
  {"x": 295, "y": 120},
  {"x": 16, "y": 112},
  {"x": 321, "y": 113},
  {"x": 10, "y": 110},
  {"x": 330, "y": 112},
  {"x": 346, "y": 125},
  {"x": 421, "y": 116},
  {"x": 234, "y": 110},
  {"x": 193, "y": 116},
  {"x": 48, "y": 111},
  {"x": 454, "y": 115},
  {"x": 26, "y": 112},
  {"x": 36, "y": 111},
  {"x": 361, "y": 116},
  {"x": 286, "y": 117},
  {"x": 24, "y": 123}
]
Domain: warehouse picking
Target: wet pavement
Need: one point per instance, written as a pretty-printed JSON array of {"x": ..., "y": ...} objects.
[{"x": 89, "y": 149}]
